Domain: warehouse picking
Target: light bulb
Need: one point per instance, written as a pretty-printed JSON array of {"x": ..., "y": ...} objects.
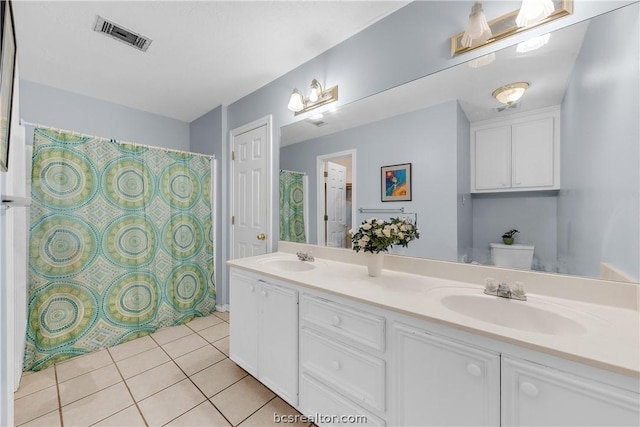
[
  {"x": 316, "y": 90},
  {"x": 533, "y": 43},
  {"x": 533, "y": 11},
  {"x": 296, "y": 102},
  {"x": 477, "y": 29}
]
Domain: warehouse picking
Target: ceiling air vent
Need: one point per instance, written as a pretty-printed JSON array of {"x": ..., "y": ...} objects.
[
  {"x": 506, "y": 107},
  {"x": 122, "y": 34}
]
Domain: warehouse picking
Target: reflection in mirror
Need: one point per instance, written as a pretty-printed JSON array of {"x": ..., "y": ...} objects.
[{"x": 561, "y": 165}]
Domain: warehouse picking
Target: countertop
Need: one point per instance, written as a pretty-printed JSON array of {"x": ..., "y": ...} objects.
[{"x": 610, "y": 339}]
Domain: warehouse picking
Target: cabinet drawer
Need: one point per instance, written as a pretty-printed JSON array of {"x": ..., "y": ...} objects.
[
  {"x": 318, "y": 400},
  {"x": 349, "y": 371},
  {"x": 345, "y": 322}
]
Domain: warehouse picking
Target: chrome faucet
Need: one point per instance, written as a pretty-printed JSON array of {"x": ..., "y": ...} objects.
[
  {"x": 503, "y": 290},
  {"x": 305, "y": 256}
]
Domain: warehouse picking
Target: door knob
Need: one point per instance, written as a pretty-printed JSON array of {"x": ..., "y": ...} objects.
[{"x": 261, "y": 236}]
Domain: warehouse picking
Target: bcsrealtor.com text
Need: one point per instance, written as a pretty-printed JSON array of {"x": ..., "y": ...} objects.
[{"x": 319, "y": 419}]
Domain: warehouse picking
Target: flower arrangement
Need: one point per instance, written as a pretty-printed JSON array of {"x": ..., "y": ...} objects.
[
  {"x": 377, "y": 236},
  {"x": 508, "y": 237}
]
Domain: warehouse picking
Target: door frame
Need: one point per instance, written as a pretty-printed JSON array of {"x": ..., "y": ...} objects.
[
  {"x": 268, "y": 122},
  {"x": 320, "y": 190}
]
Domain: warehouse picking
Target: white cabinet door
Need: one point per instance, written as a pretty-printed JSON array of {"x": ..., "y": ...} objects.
[
  {"x": 492, "y": 158},
  {"x": 536, "y": 395},
  {"x": 532, "y": 148},
  {"x": 278, "y": 365},
  {"x": 243, "y": 325},
  {"x": 443, "y": 382}
]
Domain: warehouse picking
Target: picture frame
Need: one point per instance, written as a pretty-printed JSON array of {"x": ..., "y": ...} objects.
[
  {"x": 396, "y": 182},
  {"x": 7, "y": 71}
]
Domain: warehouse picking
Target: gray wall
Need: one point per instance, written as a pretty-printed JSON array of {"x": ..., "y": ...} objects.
[
  {"x": 49, "y": 106},
  {"x": 428, "y": 139},
  {"x": 206, "y": 136},
  {"x": 600, "y": 152},
  {"x": 464, "y": 202},
  {"x": 531, "y": 213}
]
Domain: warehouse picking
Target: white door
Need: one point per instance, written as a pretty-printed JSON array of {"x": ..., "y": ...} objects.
[
  {"x": 336, "y": 204},
  {"x": 250, "y": 189},
  {"x": 441, "y": 382},
  {"x": 533, "y": 153},
  {"x": 278, "y": 348},
  {"x": 243, "y": 327}
]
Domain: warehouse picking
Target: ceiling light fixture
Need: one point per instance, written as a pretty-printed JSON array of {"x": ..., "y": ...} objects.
[
  {"x": 533, "y": 43},
  {"x": 318, "y": 96},
  {"x": 508, "y": 94},
  {"x": 534, "y": 11},
  {"x": 478, "y": 30}
]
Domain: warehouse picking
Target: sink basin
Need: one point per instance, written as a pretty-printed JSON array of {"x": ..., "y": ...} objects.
[
  {"x": 287, "y": 264},
  {"x": 520, "y": 315}
]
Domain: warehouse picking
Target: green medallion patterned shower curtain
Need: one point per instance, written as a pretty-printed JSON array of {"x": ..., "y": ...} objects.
[
  {"x": 292, "y": 207},
  {"x": 120, "y": 242}
]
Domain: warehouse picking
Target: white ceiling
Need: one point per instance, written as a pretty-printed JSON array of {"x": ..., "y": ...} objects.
[{"x": 203, "y": 54}]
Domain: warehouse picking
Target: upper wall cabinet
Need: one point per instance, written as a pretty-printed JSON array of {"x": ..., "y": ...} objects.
[{"x": 521, "y": 153}]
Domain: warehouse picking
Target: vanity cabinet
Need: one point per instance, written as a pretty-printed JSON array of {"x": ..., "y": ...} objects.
[
  {"x": 534, "y": 394},
  {"x": 264, "y": 332},
  {"x": 519, "y": 154},
  {"x": 342, "y": 366},
  {"x": 441, "y": 382}
]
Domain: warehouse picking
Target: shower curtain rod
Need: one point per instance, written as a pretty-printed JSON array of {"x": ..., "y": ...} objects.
[
  {"x": 285, "y": 170},
  {"x": 23, "y": 122}
]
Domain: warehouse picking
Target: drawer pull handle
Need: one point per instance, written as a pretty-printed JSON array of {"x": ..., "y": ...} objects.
[
  {"x": 529, "y": 389},
  {"x": 335, "y": 321},
  {"x": 336, "y": 365},
  {"x": 474, "y": 370}
]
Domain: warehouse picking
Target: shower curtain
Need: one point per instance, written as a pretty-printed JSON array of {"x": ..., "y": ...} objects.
[
  {"x": 121, "y": 243},
  {"x": 293, "y": 206}
]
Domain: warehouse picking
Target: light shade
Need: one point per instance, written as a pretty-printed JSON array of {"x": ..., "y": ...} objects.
[
  {"x": 533, "y": 43},
  {"x": 508, "y": 94},
  {"x": 482, "y": 61},
  {"x": 296, "y": 103},
  {"x": 478, "y": 30},
  {"x": 533, "y": 11}
]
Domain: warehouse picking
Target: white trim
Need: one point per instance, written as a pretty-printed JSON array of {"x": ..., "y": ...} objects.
[
  {"x": 268, "y": 122},
  {"x": 320, "y": 190},
  {"x": 222, "y": 307}
]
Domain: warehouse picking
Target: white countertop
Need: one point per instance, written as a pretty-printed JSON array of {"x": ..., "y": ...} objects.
[{"x": 610, "y": 340}]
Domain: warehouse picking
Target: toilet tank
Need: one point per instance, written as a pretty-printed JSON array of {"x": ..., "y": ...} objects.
[{"x": 511, "y": 256}]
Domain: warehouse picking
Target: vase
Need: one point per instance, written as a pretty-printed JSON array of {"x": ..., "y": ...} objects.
[
  {"x": 508, "y": 240},
  {"x": 374, "y": 263}
]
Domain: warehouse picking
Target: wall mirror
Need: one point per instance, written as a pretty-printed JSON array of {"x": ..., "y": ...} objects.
[{"x": 588, "y": 227}]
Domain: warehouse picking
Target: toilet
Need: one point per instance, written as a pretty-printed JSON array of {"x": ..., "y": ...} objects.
[{"x": 511, "y": 256}]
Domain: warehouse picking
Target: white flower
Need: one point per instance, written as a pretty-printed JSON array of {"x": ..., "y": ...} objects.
[
  {"x": 365, "y": 238},
  {"x": 366, "y": 226},
  {"x": 401, "y": 235},
  {"x": 361, "y": 242},
  {"x": 394, "y": 228},
  {"x": 386, "y": 231},
  {"x": 403, "y": 227},
  {"x": 378, "y": 232}
]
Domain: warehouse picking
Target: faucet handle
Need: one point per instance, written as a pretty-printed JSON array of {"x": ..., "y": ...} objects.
[
  {"x": 518, "y": 291},
  {"x": 490, "y": 286}
]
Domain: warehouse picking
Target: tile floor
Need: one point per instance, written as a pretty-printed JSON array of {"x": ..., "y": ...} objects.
[{"x": 178, "y": 376}]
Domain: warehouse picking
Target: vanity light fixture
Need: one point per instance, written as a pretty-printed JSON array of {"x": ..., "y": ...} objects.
[
  {"x": 318, "y": 96},
  {"x": 482, "y": 61},
  {"x": 533, "y": 43},
  {"x": 508, "y": 94},
  {"x": 533, "y": 11},
  {"x": 478, "y": 30},
  {"x": 509, "y": 24}
]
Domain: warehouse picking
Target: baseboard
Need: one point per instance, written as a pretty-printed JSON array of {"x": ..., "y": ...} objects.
[{"x": 223, "y": 307}]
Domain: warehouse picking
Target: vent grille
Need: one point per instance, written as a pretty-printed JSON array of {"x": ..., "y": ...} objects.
[
  {"x": 506, "y": 107},
  {"x": 120, "y": 33}
]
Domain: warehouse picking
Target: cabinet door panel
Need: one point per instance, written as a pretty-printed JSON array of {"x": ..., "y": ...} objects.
[
  {"x": 443, "y": 382},
  {"x": 533, "y": 153},
  {"x": 492, "y": 160},
  {"x": 535, "y": 395},
  {"x": 278, "y": 367},
  {"x": 243, "y": 325}
]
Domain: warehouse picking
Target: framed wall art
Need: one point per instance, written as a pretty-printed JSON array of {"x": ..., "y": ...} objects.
[
  {"x": 7, "y": 69},
  {"x": 396, "y": 182}
]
